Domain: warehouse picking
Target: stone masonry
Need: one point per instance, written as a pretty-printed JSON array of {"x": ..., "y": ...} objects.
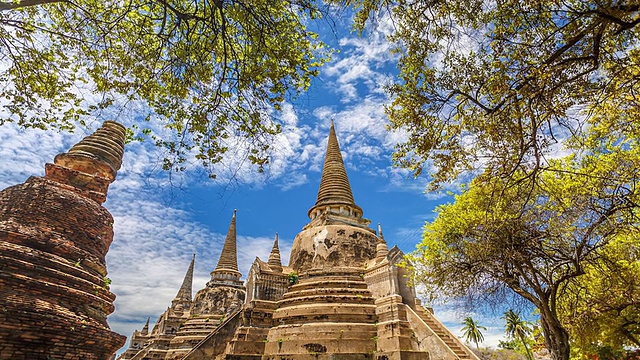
[
  {"x": 343, "y": 296},
  {"x": 54, "y": 235}
]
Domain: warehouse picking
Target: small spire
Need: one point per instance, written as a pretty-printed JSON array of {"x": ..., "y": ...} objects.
[
  {"x": 381, "y": 247},
  {"x": 185, "y": 292},
  {"x": 229, "y": 255},
  {"x": 145, "y": 329},
  {"x": 274, "y": 258},
  {"x": 334, "y": 184}
]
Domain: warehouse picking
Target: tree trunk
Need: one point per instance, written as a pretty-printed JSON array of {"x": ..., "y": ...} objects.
[
  {"x": 556, "y": 337},
  {"x": 526, "y": 348}
]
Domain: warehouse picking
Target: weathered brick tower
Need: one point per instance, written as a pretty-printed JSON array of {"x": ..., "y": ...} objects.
[{"x": 54, "y": 235}]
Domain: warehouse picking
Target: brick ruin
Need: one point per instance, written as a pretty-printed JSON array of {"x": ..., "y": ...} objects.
[
  {"x": 343, "y": 296},
  {"x": 54, "y": 235}
]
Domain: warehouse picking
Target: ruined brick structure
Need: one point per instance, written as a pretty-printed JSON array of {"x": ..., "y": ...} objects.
[
  {"x": 54, "y": 235},
  {"x": 343, "y": 296}
]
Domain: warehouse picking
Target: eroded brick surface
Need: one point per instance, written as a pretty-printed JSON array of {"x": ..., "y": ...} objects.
[{"x": 54, "y": 235}]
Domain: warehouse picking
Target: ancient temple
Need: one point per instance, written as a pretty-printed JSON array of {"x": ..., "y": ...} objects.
[
  {"x": 342, "y": 296},
  {"x": 54, "y": 235},
  {"x": 188, "y": 321}
]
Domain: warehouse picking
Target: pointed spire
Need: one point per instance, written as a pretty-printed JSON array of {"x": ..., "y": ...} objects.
[
  {"x": 334, "y": 186},
  {"x": 381, "y": 247},
  {"x": 185, "y": 292},
  {"x": 274, "y": 258},
  {"x": 229, "y": 256},
  {"x": 145, "y": 329}
]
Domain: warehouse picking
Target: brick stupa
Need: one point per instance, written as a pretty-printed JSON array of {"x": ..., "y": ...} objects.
[
  {"x": 54, "y": 235},
  {"x": 343, "y": 296}
]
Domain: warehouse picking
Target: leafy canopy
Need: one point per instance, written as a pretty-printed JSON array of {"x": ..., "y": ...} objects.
[
  {"x": 601, "y": 309},
  {"x": 539, "y": 98},
  {"x": 497, "y": 86},
  {"x": 532, "y": 239},
  {"x": 205, "y": 70}
]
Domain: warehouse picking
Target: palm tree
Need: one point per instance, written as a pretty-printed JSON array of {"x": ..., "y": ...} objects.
[
  {"x": 516, "y": 328},
  {"x": 472, "y": 332}
]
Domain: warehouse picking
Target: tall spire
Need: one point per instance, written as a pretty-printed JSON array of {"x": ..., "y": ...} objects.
[
  {"x": 334, "y": 186},
  {"x": 335, "y": 190},
  {"x": 145, "y": 329},
  {"x": 184, "y": 294},
  {"x": 380, "y": 236},
  {"x": 229, "y": 255},
  {"x": 274, "y": 258}
]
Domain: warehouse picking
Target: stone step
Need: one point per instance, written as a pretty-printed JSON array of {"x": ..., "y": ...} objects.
[
  {"x": 438, "y": 329},
  {"x": 355, "y": 283},
  {"x": 327, "y": 299}
]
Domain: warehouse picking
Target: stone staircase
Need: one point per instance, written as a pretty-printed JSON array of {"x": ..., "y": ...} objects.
[
  {"x": 457, "y": 346},
  {"x": 216, "y": 341}
]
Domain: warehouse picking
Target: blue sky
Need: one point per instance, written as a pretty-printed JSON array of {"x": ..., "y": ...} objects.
[{"x": 161, "y": 221}]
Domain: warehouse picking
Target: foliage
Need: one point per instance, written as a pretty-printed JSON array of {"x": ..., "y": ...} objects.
[
  {"x": 509, "y": 344},
  {"x": 498, "y": 85},
  {"x": 531, "y": 239},
  {"x": 471, "y": 331},
  {"x": 293, "y": 278},
  {"x": 207, "y": 71},
  {"x": 602, "y": 308},
  {"x": 499, "y": 89},
  {"x": 516, "y": 328}
]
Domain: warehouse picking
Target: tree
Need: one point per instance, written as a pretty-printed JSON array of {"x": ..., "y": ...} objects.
[
  {"x": 471, "y": 331},
  {"x": 499, "y": 89},
  {"x": 206, "y": 71},
  {"x": 497, "y": 86},
  {"x": 502, "y": 239},
  {"x": 601, "y": 309},
  {"x": 516, "y": 328}
]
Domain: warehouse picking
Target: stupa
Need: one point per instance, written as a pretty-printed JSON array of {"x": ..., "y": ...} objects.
[
  {"x": 343, "y": 296},
  {"x": 54, "y": 235}
]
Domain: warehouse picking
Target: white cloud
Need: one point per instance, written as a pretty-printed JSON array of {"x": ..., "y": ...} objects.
[
  {"x": 362, "y": 62},
  {"x": 24, "y": 152}
]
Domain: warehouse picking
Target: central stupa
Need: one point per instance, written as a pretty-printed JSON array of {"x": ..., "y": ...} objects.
[{"x": 343, "y": 295}]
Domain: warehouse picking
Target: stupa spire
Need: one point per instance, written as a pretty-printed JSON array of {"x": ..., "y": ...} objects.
[
  {"x": 105, "y": 146},
  {"x": 381, "y": 247},
  {"x": 335, "y": 190},
  {"x": 274, "y": 257},
  {"x": 229, "y": 255},
  {"x": 185, "y": 292},
  {"x": 91, "y": 164},
  {"x": 145, "y": 329}
]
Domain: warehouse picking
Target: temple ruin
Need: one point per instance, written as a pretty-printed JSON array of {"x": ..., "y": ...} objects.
[
  {"x": 54, "y": 235},
  {"x": 343, "y": 296}
]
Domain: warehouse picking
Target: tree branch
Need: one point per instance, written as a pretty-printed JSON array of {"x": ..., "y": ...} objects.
[{"x": 5, "y": 6}]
